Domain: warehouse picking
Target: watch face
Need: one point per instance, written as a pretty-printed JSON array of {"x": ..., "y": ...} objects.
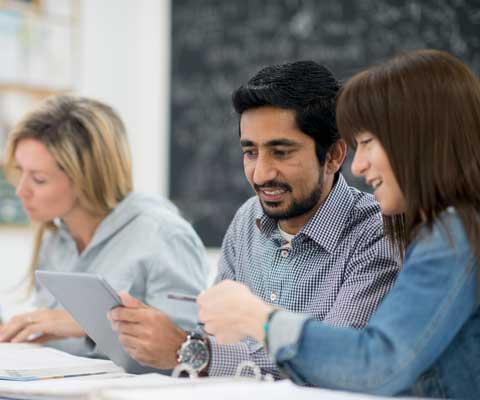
[{"x": 195, "y": 353}]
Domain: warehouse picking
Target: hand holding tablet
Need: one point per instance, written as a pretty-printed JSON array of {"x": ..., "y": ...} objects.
[{"x": 89, "y": 298}]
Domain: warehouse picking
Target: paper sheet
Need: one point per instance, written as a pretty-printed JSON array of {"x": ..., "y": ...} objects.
[
  {"x": 23, "y": 361},
  {"x": 231, "y": 390},
  {"x": 81, "y": 388}
]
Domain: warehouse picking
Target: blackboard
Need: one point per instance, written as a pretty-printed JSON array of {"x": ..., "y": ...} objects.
[{"x": 219, "y": 44}]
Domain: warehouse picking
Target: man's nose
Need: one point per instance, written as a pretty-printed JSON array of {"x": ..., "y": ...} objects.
[{"x": 265, "y": 170}]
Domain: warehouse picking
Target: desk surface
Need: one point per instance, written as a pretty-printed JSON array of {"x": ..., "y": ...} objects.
[{"x": 154, "y": 386}]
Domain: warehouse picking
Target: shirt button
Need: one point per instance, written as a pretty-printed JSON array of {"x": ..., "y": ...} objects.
[
  {"x": 273, "y": 296},
  {"x": 284, "y": 253}
]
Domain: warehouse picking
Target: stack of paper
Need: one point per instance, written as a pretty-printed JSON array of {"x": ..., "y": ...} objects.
[{"x": 29, "y": 362}]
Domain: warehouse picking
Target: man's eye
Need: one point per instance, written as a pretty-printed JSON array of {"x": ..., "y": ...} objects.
[
  {"x": 249, "y": 153},
  {"x": 280, "y": 153}
]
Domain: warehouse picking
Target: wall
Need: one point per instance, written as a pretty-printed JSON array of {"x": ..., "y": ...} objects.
[
  {"x": 123, "y": 59},
  {"x": 15, "y": 246}
]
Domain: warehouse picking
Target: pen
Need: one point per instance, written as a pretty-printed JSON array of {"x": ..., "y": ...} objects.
[{"x": 181, "y": 297}]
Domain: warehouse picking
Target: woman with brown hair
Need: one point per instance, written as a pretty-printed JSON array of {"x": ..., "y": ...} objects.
[
  {"x": 414, "y": 122},
  {"x": 70, "y": 162}
]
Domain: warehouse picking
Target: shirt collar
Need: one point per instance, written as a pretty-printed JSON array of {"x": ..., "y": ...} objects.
[{"x": 327, "y": 224}]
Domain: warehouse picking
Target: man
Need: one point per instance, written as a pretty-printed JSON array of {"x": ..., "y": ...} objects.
[{"x": 307, "y": 242}]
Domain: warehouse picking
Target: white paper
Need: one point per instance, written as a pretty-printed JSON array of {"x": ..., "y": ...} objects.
[
  {"x": 221, "y": 389},
  {"x": 37, "y": 362},
  {"x": 82, "y": 387}
]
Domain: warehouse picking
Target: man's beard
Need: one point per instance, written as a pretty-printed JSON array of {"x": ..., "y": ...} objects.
[{"x": 297, "y": 207}]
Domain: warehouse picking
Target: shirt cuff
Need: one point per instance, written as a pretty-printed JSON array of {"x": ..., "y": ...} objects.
[
  {"x": 224, "y": 359},
  {"x": 284, "y": 332}
]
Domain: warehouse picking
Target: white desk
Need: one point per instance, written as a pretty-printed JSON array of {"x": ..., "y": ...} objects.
[
  {"x": 231, "y": 390},
  {"x": 153, "y": 386}
]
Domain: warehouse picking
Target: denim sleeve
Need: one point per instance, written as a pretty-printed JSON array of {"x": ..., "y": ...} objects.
[
  {"x": 432, "y": 299},
  {"x": 284, "y": 332}
]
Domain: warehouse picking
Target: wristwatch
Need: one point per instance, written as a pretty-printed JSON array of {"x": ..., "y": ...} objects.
[{"x": 194, "y": 351}]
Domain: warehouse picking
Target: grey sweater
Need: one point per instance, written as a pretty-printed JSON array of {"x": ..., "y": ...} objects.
[{"x": 143, "y": 247}]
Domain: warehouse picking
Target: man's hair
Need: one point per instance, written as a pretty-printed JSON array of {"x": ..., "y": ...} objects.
[
  {"x": 307, "y": 88},
  {"x": 424, "y": 108}
]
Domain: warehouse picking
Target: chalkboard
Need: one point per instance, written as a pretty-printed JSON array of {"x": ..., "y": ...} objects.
[{"x": 219, "y": 44}]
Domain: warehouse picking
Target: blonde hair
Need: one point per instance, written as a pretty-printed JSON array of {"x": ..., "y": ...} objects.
[{"x": 88, "y": 141}]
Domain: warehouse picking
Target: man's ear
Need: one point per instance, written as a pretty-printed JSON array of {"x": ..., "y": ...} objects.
[{"x": 336, "y": 156}]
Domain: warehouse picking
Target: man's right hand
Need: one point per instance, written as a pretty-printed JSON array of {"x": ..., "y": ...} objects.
[{"x": 147, "y": 334}]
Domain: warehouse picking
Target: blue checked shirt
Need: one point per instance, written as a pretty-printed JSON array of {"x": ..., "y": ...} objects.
[{"x": 338, "y": 268}]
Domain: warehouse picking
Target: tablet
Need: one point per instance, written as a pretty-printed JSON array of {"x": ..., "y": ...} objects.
[{"x": 88, "y": 298}]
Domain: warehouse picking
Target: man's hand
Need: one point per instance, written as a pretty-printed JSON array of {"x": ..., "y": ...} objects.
[
  {"x": 147, "y": 334},
  {"x": 40, "y": 326},
  {"x": 230, "y": 312}
]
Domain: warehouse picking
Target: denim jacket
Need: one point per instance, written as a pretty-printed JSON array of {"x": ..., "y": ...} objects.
[{"x": 424, "y": 339}]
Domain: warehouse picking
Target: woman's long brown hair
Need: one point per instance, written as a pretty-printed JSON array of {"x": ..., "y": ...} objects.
[{"x": 424, "y": 107}]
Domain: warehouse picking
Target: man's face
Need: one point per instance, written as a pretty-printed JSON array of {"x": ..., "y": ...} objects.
[{"x": 280, "y": 163}]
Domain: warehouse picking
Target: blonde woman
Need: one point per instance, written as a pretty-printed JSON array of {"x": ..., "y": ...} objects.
[{"x": 70, "y": 162}]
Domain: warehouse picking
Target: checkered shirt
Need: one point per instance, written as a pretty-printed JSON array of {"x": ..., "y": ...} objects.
[{"x": 338, "y": 269}]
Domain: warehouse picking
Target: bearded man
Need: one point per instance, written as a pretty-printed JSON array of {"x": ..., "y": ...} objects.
[{"x": 307, "y": 242}]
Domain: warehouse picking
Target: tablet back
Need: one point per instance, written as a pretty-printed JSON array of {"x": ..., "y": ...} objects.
[{"x": 88, "y": 298}]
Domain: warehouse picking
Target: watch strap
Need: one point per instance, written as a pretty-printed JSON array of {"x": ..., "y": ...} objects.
[{"x": 198, "y": 333}]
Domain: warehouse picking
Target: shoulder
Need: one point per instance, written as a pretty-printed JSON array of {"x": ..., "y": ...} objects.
[
  {"x": 251, "y": 209},
  {"x": 51, "y": 239},
  {"x": 154, "y": 214},
  {"x": 247, "y": 213},
  {"x": 242, "y": 226},
  {"x": 364, "y": 231},
  {"x": 447, "y": 233},
  {"x": 364, "y": 206},
  {"x": 365, "y": 217},
  {"x": 442, "y": 251}
]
